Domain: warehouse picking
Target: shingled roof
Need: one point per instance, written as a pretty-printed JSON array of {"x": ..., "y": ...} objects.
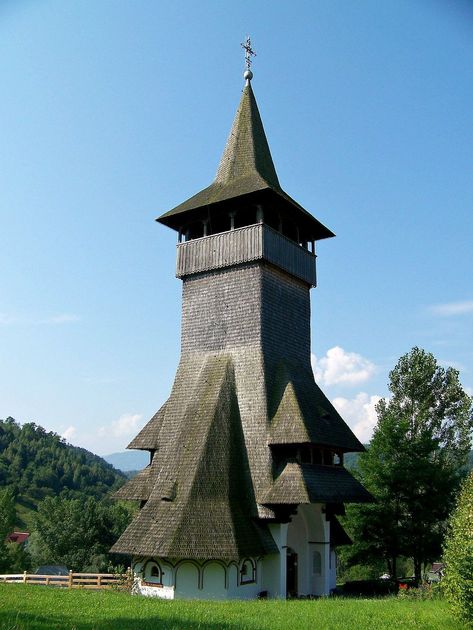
[
  {"x": 204, "y": 507},
  {"x": 147, "y": 438},
  {"x": 246, "y": 168},
  {"x": 301, "y": 413},
  {"x": 313, "y": 483},
  {"x": 137, "y": 488}
]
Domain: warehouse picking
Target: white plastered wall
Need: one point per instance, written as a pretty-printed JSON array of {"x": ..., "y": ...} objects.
[
  {"x": 309, "y": 536},
  {"x": 190, "y": 580},
  {"x": 274, "y": 565}
]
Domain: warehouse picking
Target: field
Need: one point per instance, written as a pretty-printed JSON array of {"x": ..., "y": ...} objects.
[{"x": 47, "y": 608}]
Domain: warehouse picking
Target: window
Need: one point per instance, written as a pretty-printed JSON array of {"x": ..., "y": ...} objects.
[
  {"x": 316, "y": 563},
  {"x": 153, "y": 574},
  {"x": 247, "y": 571}
]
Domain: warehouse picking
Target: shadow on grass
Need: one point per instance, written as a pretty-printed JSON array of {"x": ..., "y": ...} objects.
[{"x": 30, "y": 621}]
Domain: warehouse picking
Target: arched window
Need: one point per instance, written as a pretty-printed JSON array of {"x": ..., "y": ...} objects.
[
  {"x": 153, "y": 573},
  {"x": 248, "y": 571}
]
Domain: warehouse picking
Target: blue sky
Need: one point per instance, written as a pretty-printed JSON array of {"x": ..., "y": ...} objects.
[{"x": 113, "y": 112}]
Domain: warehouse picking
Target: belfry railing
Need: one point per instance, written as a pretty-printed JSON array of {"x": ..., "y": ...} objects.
[{"x": 243, "y": 245}]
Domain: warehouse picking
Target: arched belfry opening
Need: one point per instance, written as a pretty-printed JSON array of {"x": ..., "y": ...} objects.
[{"x": 246, "y": 475}]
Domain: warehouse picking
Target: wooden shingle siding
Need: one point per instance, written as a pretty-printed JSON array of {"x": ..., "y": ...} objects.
[{"x": 246, "y": 244}]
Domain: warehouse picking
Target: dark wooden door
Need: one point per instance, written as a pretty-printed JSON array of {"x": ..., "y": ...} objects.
[{"x": 291, "y": 573}]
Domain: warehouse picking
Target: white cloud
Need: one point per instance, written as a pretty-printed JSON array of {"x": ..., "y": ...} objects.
[
  {"x": 125, "y": 425},
  {"x": 452, "y": 308},
  {"x": 62, "y": 318},
  {"x": 341, "y": 367},
  {"x": 69, "y": 433},
  {"x": 359, "y": 413}
]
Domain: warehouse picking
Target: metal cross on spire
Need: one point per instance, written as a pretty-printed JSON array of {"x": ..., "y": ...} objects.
[{"x": 249, "y": 52}]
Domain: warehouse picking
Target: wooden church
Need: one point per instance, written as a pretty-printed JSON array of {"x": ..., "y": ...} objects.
[{"x": 246, "y": 476}]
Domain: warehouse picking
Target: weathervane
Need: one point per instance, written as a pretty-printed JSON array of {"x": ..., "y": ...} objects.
[{"x": 249, "y": 52}]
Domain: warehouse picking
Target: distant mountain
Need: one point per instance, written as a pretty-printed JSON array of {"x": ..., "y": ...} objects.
[{"x": 128, "y": 460}]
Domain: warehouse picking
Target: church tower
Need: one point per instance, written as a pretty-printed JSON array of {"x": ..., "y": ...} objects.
[{"x": 246, "y": 474}]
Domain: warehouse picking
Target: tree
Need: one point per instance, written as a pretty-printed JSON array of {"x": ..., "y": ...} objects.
[
  {"x": 77, "y": 533},
  {"x": 458, "y": 555},
  {"x": 414, "y": 463},
  {"x": 7, "y": 521}
]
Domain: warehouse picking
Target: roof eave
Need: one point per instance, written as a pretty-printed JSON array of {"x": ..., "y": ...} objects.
[{"x": 176, "y": 218}]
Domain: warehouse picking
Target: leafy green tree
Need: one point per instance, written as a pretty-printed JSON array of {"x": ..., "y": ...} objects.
[
  {"x": 7, "y": 521},
  {"x": 414, "y": 464},
  {"x": 77, "y": 533},
  {"x": 458, "y": 555},
  {"x": 7, "y": 513}
]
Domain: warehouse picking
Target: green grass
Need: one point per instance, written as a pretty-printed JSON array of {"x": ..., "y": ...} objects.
[{"x": 46, "y": 608}]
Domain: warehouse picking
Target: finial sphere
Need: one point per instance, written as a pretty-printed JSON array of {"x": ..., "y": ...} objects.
[{"x": 248, "y": 75}]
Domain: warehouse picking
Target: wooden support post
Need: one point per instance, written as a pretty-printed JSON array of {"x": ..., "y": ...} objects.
[
  {"x": 259, "y": 214},
  {"x": 24, "y": 577},
  {"x": 70, "y": 580},
  {"x": 99, "y": 581}
]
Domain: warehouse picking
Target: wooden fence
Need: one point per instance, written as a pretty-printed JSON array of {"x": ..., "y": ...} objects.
[{"x": 73, "y": 580}]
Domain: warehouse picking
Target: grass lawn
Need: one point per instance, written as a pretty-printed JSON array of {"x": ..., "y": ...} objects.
[{"x": 25, "y": 607}]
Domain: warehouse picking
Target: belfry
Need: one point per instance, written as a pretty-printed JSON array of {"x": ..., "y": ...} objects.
[{"x": 246, "y": 474}]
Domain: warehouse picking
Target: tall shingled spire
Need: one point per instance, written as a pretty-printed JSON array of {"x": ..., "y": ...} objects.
[
  {"x": 246, "y": 168},
  {"x": 247, "y": 155}
]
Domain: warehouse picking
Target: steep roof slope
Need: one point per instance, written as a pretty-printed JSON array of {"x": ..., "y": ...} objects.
[{"x": 202, "y": 503}]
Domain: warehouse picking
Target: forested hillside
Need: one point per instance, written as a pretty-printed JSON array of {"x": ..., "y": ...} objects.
[
  {"x": 35, "y": 464},
  {"x": 351, "y": 459}
]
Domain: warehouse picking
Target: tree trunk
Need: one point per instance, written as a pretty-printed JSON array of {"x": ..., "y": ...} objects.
[
  {"x": 394, "y": 568},
  {"x": 418, "y": 570}
]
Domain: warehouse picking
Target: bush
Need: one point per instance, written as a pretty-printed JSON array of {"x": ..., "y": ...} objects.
[
  {"x": 424, "y": 592},
  {"x": 458, "y": 555}
]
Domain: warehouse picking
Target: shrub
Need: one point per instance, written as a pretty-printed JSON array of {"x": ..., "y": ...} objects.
[
  {"x": 424, "y": 592},
  {"x": 458, "y": 555}
]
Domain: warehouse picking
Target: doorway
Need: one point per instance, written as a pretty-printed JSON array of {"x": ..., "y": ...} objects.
[{"x": 291, "y": 573}]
